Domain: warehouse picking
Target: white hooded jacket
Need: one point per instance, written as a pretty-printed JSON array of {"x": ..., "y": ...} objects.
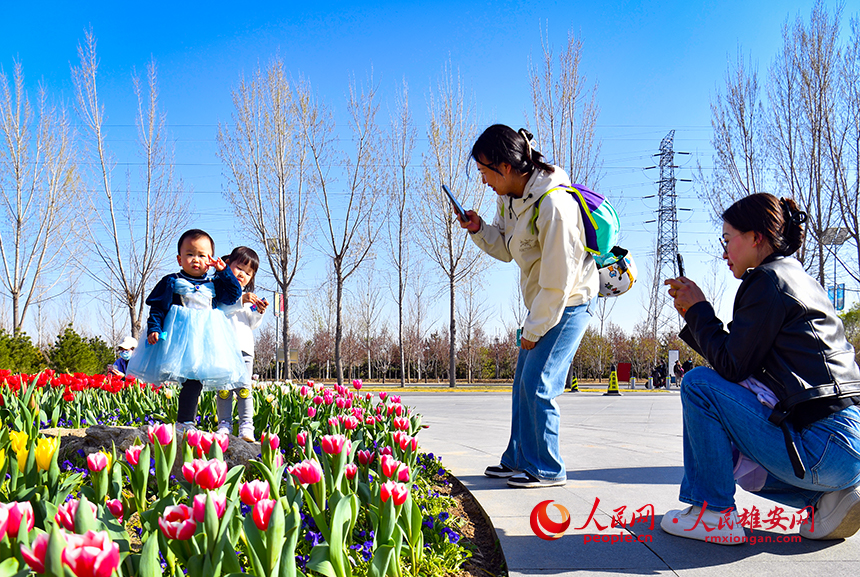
[{"x": 555, "y": 269}]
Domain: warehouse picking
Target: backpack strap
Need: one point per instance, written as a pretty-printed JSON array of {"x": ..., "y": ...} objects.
[{"x": 583, "y": 206}]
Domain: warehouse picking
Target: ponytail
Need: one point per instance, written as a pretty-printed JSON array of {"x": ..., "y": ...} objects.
[
  {"x": 501, "y": 144},
  {"x": 779, "y": 221}
]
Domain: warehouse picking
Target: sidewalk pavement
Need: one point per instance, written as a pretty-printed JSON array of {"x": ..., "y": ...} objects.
[{"x": 620, "y": 451}]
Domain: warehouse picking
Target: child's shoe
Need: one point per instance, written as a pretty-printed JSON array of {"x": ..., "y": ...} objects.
[
  {"x": 246, "y": 432},
  {"x": 225, "y": 428}
]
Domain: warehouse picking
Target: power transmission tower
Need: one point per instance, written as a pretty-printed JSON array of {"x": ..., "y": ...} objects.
[{"x": 666, "y": 249}]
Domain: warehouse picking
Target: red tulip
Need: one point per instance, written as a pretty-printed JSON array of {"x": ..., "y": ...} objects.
[
  {"x": 189, "y": 470},
  {"x": 351, "y": 471},
  {"x": 177, "y": 522},
  {"x": 385, "y": 451},
  {"x": 356, "y": 383},
  {"x": 318, "y": 400},
  {"x": 382, "y": 395},
  {"x": 263, "y": 512},
  {"x": 19, "y": 513},
  {"x": 365, "y": 457},
  {"x": 163, "y": 433},
  {"x": 91, "y": 555},
  {"x": 349, "y": 423},
  {"x": 212, "y": 475},
  {"x": 35, "y": 557},
  {"x": 389, "y": 465},
  {"x": 335, "y": 444},
  {"x": 307, "y": 472},
  {"x": 302, "y": 438},
  {"x": 194, "y": 438},
  {"x": 199, "y": 508},
  {"x": 391, "y": 489},
  {"x": 403, "y": 474},
  {"x": 97, "y": 461},
  {"x": 132, "y": 454},
  {"x": 273, "y": 440},
  {"x": 115, "y": 507},
  {"x": 65, "y": 516},
  {"x": 401, "y": 423},
  {"x": 252, "y": 492}
]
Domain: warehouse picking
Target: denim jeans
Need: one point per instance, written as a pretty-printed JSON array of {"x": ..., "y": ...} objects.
[
  {"x": 538, "y": 380},
  {"x": 718, "y": 413}
]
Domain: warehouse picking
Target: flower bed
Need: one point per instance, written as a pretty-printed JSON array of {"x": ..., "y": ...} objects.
[{"x": 339, "y": 487}]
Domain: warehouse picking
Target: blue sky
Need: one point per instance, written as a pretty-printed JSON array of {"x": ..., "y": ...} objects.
[{"x": 657, "y": 65}]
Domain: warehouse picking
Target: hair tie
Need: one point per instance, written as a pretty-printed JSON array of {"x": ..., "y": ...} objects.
[
  {"x": 527, "y": 136},
  {"x": 795, "y": 217}
]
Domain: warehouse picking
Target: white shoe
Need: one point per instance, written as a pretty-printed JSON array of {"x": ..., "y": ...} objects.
[
  {"x": 709, "y": 526},
  {"x": 246, "y": 432},
  {"x": 837, "y": 516},
  {"x": 225, "y": 428}
]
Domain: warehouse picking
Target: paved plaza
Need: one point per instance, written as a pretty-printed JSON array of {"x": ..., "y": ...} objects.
[{"x": 624, "y": 451}]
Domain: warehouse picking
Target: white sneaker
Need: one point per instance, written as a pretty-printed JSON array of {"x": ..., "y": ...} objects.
[
  {"x": 246, "y": 432},
  {"x": 709, "y": 526},
  {"x": 225, "y": 428},
  {"x": 837, "y": 516}
]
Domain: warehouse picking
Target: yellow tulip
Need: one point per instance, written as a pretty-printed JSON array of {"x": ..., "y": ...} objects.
[
  {"x": 2, "y": 459},
  {"x": 45, "y": 449},
  {"x": 19, "y": 440},
  {"x": 22, "y": 459}
]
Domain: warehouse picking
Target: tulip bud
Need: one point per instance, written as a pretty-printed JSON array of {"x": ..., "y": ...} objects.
[
  {"x": 351, "y": 471},
  {"x": 115, "y": 507},
  {"x": 199, "y": 506},
  {"x": 250, "y": 493},
  {"x": 97, "y": 461},
  {"x": 35, "y": 557},
  {"x": 262, "y": 513},
  {"x": 307, "y": 472},
  {"x": 177, "y": 522},
  {"x": 132, "y": 454}
]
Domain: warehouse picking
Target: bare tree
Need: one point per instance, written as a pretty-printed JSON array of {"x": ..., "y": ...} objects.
[
  {"x": 268, "y": 164},
  {"x": 349, "y": 246},
  {"x": 740, "y": 148},
  {"x": 401, "y": 145},
  {"x": 565, "y": 113},
  {"x": 368, "y": 308},
  {"x": 416, "y": 321},
  {"x": 471, "y": 316},
  {"x": 38, "y": 183},
  {"x": 803, "y": 93},
  {"x": 451, "y": 131},
  {"x": 130, "y": 234}
]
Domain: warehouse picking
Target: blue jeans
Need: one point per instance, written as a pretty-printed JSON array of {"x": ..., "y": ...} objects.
[
  {"x": 538, "y": 380},
  {"x": 718, "y": 413}
]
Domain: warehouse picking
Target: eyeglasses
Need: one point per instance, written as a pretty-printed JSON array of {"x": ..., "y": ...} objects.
[{"x": 724, "y": 245}]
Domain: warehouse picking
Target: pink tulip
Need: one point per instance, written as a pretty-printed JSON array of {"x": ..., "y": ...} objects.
[
  {"x": 304, "y": 391},
  {"x": 97, "y": 461},
  {"x": 252, "y": 492},
  {"x": 4, "y": 521},
  {"x": 312, "y": 412},
  {"x": 403, "y": 474},
  {"x": 389, "y": 465},
  {"x": 91, "y": 555},
  {"x": 163, "y": 433},
  {"x": 328, "y": 398},
  {"x": 302, "y": 438},
  {"x": 132, "y": 454},
  {"x": 194, "y": 438},
  {"x": 391, "y": 489},
  {"x": 262, "y": 512},
  {"x": 351, "y": 471},
  {"x": 385, "y": 451},
  {"x": 333, "y": 422},
  {"x": 20, "y": 517},
  {"x": 335, "y": 444},
  {"x": 382, "y": 395},
  {"x": 199, "y": 506},
  {"x": 189, "y": 470},
  {"x": 349, "y": 423},
  {"x": 273, "y": 440},
  {"x": 357, "y": 412},
  {"x": 177, "y": 522},
  {"x": 115, "y": 507},
  {"x": 278, "y": 460},
  {"x": 212, "y": 475},
  {"x": 307, "y": 472},
  {"x": 341, "y": 402},
  {"x": 317, "y": 400},
  {"x": 369, "y": 421},
  {"x": 401, "y": 423},
  {"x": 65, "y": 516},
  {"x": 395, "y": 399},
  {"x": 35, "y": 557},
  {"x": 356, "y": 383},
  {"x": 365, "y": 457}
]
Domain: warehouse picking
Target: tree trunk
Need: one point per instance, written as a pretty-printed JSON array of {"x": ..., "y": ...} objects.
[{"x": 452, "y": 344}]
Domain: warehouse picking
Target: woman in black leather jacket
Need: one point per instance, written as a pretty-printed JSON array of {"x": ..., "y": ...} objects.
[{"x": 777, "y": 412}]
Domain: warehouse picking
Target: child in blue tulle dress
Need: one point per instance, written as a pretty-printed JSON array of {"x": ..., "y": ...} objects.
[{"x": 190, "y": 341}]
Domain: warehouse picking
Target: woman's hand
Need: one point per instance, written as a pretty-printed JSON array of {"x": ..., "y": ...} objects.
[
  {"x": 526, "y": 344},
  {"x": 685, "y": 292},
  {"x": 473, "y": 224}
]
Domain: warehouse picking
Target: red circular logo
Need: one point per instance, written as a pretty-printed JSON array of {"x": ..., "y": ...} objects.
[{"x": 546, "y": 528}]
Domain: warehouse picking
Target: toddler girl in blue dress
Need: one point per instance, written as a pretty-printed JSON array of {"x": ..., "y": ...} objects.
[{"x": 189, "y": 340}]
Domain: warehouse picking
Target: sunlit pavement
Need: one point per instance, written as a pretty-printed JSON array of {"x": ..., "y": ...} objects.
[{"x": 623, "y": 454}]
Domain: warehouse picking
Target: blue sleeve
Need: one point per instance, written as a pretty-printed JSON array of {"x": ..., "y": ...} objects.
[
  {"x": 159, "y": 301},
  {"x": 227, "y": 288}
]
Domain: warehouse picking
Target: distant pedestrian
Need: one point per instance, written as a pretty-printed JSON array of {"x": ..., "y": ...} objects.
[
  {"x": 687, "y": 366},
  {"x": 125, "y": 348},
  {"x": 679, "y": 373}
]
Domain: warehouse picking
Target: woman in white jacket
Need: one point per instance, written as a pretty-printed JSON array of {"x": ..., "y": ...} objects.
[
  {"x": 244, "y": 316},
  {"x": 539, "y": 226}
]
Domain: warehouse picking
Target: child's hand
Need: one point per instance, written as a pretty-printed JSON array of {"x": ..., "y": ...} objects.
[
  {"x": 152, "y": 338},
  {"x": 217, "y": 263},
  {"x": 257, "y": 302}
]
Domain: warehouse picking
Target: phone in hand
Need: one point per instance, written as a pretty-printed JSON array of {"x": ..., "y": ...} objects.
[
  {"x": 458, "y": 208},
  {"x": 680, "y": 265}
]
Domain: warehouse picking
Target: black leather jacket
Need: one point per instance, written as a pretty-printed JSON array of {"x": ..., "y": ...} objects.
[{"x": 784, "y": 333}]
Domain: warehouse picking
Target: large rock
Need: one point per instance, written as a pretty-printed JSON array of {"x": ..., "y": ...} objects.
[{"x": 98, "y": 437}]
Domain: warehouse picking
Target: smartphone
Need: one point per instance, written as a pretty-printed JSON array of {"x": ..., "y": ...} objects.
[
  {"x": 680, "y": 265},
  {"x": 458, "y": 208}
]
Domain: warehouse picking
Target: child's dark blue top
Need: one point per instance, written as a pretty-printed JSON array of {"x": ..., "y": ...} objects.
[{"x": 227, "y": 291}]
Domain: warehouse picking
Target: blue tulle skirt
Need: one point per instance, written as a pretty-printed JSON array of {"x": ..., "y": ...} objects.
[{"x": 196, "y": 345}]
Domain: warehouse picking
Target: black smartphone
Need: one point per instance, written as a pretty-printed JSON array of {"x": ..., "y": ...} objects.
[
  {"x": 458, "y": 208},
  {"x": 680, "y": 265}
]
